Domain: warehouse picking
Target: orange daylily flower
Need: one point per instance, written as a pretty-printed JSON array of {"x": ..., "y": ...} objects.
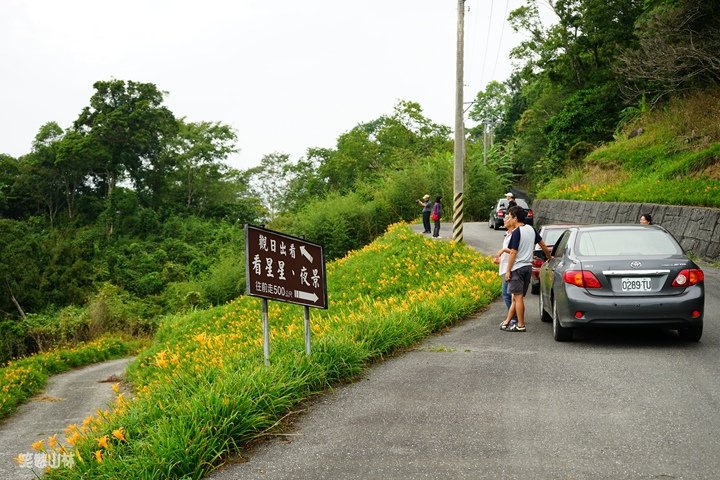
[
  {"x": 103, "y": 441},
  {"x": 119, "y": 434}
]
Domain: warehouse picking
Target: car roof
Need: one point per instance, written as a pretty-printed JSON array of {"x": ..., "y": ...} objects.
[
  {"x": 614, "y": 226},
  {"x": 559, "y": 226}
]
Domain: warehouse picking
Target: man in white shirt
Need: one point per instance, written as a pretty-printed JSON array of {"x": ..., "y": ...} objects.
[
  {"x": 501, "y": 258},
  {"x": 519, "y": 270}
]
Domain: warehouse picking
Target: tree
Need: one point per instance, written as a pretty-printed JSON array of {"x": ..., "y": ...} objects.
[
  {"x": 192, "y": 169},
  {"x": 270, "y": 180},
  {"x": 19, "y": 273},
  {"x": 489, "y": 107},
  {"x": 678, "y": 49},
  {"x": 9, "y": 168},
  {"x": 124, "y": 129},
  {"x": 394, "y": 141}
]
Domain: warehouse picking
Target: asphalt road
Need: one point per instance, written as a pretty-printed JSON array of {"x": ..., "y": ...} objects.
[
  {"x": 68, "y": 398},
  {"x": 479, "y": 403}
]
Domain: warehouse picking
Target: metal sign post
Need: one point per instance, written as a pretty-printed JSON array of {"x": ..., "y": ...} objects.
[
  {"x": 284, "y": 268},
  {"x": 307, "y": 330},
  {"x": 266, "y": 331}
]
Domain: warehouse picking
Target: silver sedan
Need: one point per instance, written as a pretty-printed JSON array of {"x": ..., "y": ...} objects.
[{"x": 617, "y": 275}]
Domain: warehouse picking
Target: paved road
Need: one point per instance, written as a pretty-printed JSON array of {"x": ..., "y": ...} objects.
[
  {"x": 479, "y": 403},
  {"x": 68, "y": 398}
]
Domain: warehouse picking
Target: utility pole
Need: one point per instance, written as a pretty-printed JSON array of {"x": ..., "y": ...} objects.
[
  {"x": 457, "y": 234},
  {"x": 485, "y": 143}
]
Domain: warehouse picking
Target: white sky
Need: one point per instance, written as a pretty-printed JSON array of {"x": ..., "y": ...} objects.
[{"x": 287, "y": 75}]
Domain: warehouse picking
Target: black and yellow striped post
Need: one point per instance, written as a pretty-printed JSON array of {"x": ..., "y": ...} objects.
[{"x": 457, "y": 234}]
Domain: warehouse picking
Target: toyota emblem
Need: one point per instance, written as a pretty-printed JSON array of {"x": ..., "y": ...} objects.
[{"x": 636, "y": 264}]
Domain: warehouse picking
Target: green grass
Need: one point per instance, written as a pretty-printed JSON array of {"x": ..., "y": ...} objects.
[
  {"x": 675, "y": 161},
  {"x": 203, "y": 391}
]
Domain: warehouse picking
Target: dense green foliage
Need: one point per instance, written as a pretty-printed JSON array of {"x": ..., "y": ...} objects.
[
  {"x": 127, "y": 215},
  {"x": 596, "y": 67}
]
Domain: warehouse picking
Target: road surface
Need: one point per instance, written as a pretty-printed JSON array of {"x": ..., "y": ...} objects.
[{"x": 69, "y": 398}]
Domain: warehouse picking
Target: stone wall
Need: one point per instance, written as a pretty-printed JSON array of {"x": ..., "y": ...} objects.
[{"x": 696, "y": 228}]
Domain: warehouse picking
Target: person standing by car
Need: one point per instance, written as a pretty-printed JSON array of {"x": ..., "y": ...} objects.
[
  {"x": 511, "y": 200},
  {"x": 501, "y": 258},
  {"x": 427, "y": 208},
  {"x": 646, "y": 219},
  {"x": 436, "y": 214},
  {"x": 519, "y": 270}
]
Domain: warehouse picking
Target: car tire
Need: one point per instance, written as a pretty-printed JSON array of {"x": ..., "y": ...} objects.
[
  {"x": 691, "y": 334},
  {"x": 560, "y": 333},
  {"x": 490, "y": 223},
  {"x": 534, "y": 288},
  {"x": 544, "y": 316}
]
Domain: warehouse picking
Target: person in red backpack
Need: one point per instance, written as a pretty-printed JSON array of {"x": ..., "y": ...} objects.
[{"x": 436, "y": 215}]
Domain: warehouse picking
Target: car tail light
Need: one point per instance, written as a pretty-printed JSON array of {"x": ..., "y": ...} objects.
[
  {"x": 529, "y": 214},
  {"x": 581, "y": 278},
  {"x": 579, "y": 314},
  {"x": 500, "y": 213},
  {"x": 696, "y": 313},
  {"x": 688, "y": 277},
  {"x": 537, "y": 262}
]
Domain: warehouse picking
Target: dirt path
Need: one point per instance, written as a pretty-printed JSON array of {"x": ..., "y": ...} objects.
[{"x": 68, "y": 398}]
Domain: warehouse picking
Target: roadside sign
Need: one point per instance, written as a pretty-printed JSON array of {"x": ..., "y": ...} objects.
[{"x": 284, "y": 268}]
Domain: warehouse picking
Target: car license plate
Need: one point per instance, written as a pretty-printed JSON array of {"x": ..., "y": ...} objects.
[{"x": 636, "y": 285}]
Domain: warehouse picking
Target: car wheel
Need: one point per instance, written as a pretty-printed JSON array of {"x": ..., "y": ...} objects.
[
  {"x": 534, "y": 288},
  {"x": 691, "y": 334},
  {"x": 544, "y": 316},
  {"x": 490, "y": 223},
  {"x": 560, "y": 333}
]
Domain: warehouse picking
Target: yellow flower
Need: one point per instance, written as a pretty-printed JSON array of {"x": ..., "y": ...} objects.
[
  {"x": 38, "y": 446},
  {"x": 103, "y": 441},
  {"x": 52, "y": 441},
  {"x": 116, "y": 388},
  {"x": 98, "y": 456},
  {"x": 87, "y": 421},
  {"x": 20, "y": 459},
  {"x": 72, "y": 439},
  {"x": 70, "y": 429},
  {"x": 119, "y": 434}
]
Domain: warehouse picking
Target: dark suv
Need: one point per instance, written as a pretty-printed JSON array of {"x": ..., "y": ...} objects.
[{"x": 498, "y": 212}]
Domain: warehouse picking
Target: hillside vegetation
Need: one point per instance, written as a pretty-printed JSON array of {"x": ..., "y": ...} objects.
[{"x": 669, "y": 155}]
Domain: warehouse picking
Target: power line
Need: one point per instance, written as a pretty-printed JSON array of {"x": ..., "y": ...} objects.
[
  {"x": 487, "y": 42},
  {"x": 502, "y": 31}
]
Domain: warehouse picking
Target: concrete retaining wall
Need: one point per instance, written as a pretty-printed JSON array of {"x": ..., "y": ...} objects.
[{"x": 696, "y": 228}]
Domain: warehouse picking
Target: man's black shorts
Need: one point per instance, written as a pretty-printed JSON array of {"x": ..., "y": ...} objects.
[{"x": 520, "y": 280}]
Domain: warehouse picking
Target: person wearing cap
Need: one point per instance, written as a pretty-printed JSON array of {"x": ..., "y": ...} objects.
[
  {"x": 511, "y": 200},
  {"x": 427, "y": 208}
]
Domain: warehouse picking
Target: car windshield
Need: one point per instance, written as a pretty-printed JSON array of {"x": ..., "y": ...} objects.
[
  {"x": 626, "y": 242},
  {"x": 551, "y": 236},
  {"x": 520, "y": 202}
]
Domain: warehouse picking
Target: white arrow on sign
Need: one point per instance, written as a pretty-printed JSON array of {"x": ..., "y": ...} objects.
[
  {"x": 306, "y": 295},
  {"x": 305, "y": 253}
]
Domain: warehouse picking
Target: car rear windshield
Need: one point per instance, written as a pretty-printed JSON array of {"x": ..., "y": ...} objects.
[{"x": 626, "y": 242}]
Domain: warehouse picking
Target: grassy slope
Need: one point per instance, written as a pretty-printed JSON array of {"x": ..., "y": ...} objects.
[
  {"x": 675, "y": 161},
  {"x": 202, "y": 388}
]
